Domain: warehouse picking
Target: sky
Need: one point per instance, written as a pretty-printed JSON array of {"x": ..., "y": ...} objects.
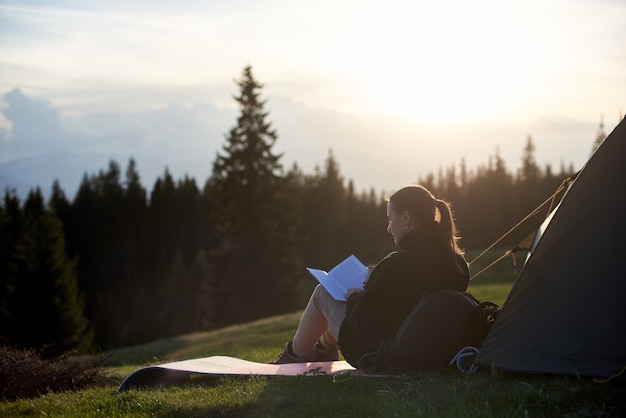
[{"x": 396, "y": 89}]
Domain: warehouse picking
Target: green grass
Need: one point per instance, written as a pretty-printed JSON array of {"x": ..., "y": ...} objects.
[{"x": 433, "y": 394}]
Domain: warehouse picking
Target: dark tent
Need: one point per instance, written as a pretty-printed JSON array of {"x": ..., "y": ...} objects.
[{"x": 566, "y": 312}]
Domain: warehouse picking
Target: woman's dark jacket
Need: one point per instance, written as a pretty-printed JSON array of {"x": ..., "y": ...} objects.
[{"x": 424, "y": 262}]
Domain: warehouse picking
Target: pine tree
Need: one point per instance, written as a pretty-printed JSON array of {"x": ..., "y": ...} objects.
[
  {"x": 254, "y": 216},
  {"x": 600, "y": 136},
  {"x": 45, "y": 308},
  {"x": 527, "y": 183},
  {"x": 162, "y": 225},
  {"x": 529, "y": 172},
  {"x": 10, "y": 224},
  {"x": 205, "y": 297},
  {"x": 177, "y": 299},
  {"x": 59, "y": 203},
  {"x": 491, "y": 201},
  {"x": 325, "y": 216},
  {"x": 131, "y": 232},
  {"x": 96, "y": 226}
]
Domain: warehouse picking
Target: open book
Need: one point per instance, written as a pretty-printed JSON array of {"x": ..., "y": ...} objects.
[{"x": 348, "y": 274}]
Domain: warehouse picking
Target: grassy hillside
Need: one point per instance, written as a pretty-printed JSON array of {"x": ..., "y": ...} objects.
[{"x": 432, "y": 394}]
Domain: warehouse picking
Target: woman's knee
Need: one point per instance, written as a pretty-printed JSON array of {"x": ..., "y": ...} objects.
[{"x": 321, "y": 295}]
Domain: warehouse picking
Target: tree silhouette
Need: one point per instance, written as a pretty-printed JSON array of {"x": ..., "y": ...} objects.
[
  {"x": 10, "y": 230},
  {"x": 44, "y": 307},
  {"x": 324, "y": 216},
  {"x": 600, "y": 136},
  {"x": 254, "y": 215}
]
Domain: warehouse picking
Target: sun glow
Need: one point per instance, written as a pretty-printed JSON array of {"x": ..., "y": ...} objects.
[{"x": 429, "y": 65}]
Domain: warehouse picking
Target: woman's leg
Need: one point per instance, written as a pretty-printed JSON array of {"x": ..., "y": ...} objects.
[{"x": 321, "y": 320}]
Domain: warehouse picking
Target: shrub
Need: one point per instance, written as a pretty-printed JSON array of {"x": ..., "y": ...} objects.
[{"x": 25, "y": 374}]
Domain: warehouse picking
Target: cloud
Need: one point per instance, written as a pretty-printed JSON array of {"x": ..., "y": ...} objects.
[
  {"x": 36, "y": 127},
  {"x": 42, "y": 144}
]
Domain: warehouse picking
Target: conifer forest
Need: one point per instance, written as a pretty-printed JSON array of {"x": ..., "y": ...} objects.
[{"x": 119, "y": 265}]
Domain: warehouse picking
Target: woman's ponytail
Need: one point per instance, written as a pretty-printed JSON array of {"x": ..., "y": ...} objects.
[{"x": 448, "y": 226}]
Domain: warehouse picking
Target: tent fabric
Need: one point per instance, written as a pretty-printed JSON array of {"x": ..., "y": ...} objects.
[{"x": 566, "y": 312}]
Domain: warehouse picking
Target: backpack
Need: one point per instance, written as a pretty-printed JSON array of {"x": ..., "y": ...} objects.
[{"x": 442, "y": 323}]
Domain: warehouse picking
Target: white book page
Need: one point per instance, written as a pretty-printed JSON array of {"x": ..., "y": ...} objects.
[{"x": 348, "y": 274}]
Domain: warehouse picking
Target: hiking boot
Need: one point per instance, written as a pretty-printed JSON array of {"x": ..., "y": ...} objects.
[
  {"x": 319, "y": 354},
  {"x": 288, "y": 356}
]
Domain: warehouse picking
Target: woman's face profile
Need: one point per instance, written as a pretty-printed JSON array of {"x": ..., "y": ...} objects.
[{"x": 396, "y": 225}]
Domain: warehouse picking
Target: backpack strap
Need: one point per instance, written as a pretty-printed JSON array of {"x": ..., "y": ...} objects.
[{"x": 465, "y": 357}]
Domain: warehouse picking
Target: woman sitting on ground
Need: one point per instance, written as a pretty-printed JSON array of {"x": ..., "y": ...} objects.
[{"x": 428, "y": 259}]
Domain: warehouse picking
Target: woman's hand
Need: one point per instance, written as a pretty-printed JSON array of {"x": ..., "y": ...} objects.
[{"x": 351, "y": 292}]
